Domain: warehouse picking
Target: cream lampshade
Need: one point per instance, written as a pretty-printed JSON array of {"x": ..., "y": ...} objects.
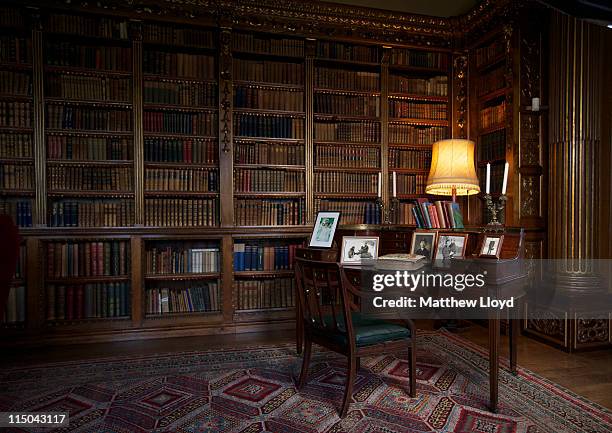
[{"x": 452, "y": 169}]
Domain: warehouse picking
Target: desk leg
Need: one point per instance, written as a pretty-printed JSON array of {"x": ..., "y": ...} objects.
[
  {"x": 513, "y": 332},
  {"x": 494, "y": 333},
  {"x": 299, "y": 329}
]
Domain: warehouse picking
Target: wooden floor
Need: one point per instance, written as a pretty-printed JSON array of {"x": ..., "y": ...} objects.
[{"x": 588, "y": 374}]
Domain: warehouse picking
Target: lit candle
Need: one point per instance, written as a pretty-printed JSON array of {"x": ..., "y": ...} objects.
[
  {"x": 505, "y": 184},
  {"x": 379, "y": 184},
  {"x": 488, "y": 190},
  {"x": 394, "y": 184}
]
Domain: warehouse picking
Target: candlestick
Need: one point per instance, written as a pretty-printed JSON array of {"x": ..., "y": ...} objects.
[
  {"x": 379, "y": 184},
  {"x": 488, "y": 189},
  {"x": 494, "y": 209},
  {"x": 505, "y": 184},
  {"x": 394, "y": 184}
]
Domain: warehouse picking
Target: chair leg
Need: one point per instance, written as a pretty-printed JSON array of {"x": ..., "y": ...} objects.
[
  {"x": 305, "y": 362},
  {"x": 412, "y": 370},
  {"x": 348, "y": 392}
]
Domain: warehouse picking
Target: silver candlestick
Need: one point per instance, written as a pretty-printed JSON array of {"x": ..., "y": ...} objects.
[{"x": 494, "y": 209}]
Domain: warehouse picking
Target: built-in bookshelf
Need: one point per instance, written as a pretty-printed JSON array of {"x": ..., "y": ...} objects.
[
  {"x": 269, "y": 130},
  {"x": 14, "y": 314},
  {"x": 86, "y": 280},
  {"x": 182, "y": 277},
  {"x": 347, "y": 130},
  {"x": 16, "y": 119},
  {"x": 181, "y": 180},
  {"x": 489, "y": 66}
]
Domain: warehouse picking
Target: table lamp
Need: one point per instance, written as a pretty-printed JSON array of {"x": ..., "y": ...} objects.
[{"x": 452, "y": 169}]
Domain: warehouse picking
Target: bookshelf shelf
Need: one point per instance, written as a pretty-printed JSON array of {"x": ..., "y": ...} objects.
[
  {"x": 216, "y": 314},
  {"x": 86, "y": 280},
  {"x": 419, "y": 122},
  {"x": 346, "y": 92},
  {"x": 173, "y": 79},
  {"x": 340, "y": 117},
  {"x": 89, "y": 39},
  {"x": 179, "y": 193},
  {"x": 490, "y": 96},
  {"x": 177, "y": 107},
  {"x": 182, "y": 277},
  {"x": 347, "y": 195},
  {"x": 345, "y": 143},
  {"x": 87, "y": 71},
  {"x": 172, "y": 135},
  {"x": 80, "y": 193},
  {"x": 272, "y": 166},
  {"x": 267, "y": 139},
  {"x": 270, "y": 112},
  {"x": 180, "y": 165},
  {"x": 490, "y": 64},
  {"x": 15, "y": 97},
  {"x": 265, "y": 274},
  {"x": 417, "y": 97},
  {"x": 268, "y": 85},
  {"x": 16, "y": 66},
  {"x": 417, "y": 69},
  {"x": 91, "y": 321},
  {"x": 88, "y": 133},
  {"x": 244, "y": 194},
  {"x": 330, "y": 60},
  {"x": 16, "y": 192},
  {"x": 16, "y": 161},
  {"x": 90, "y": 103},
  {"x": 266, "y": 54},
  {"x": 163, "y": 46},
  {"x": 16, "y": 129},
  {"x": 348, "y": 169},
  {"x": 409, "y": 170},
  {"x": 102, "y": 163}
]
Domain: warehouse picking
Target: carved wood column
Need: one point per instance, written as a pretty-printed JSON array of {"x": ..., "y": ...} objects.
[
  {"x": 384, "y": 132},
  {"x": 137, "y": 104},
  {"x": 309, "y": 128},
  {"x": 226, "y": 138},
  {"x": 574, "y": 145}
]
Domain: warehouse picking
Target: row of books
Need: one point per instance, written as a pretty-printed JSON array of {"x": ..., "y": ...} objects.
[
  {"x": 434, "y": 86},
  {"x": 60, "y": 53},
  {"x": 439, "y": 214},
  {"x": 330, "y": 181},
  {"x": 176, "y": 35},
  {"x": 342, "y": 51},
  {"x": 263, "y": 257},
  {"x": 352, "y": 212},
  {"x": 356, "y": 132},
  {"x": 264, "y": 294},
  {"x": 268, "y": 153},
  {"x": 89, "y": 148},
  {"x": 492, "y": 146},
  {"x": 100, "y": 27},
  {"x": 16, "y": 145},
  {"x": 267, "y": 45},
  {"x": 16, "y": 114},
  {"x": 246, "y": 180},
  {"x": 187, "y": 150},
  {"x": 192, "y": 94},
  {"x": 497, "y": 177},
  {"x": 268, "y": 99},
  {"x": 198, "y": 298},
  {"x": 15, "y": 311},
  {"x": 180, "y": 260},
  {"x": 403, "y": 133},
  {"x": 491, "y": 81},
  {"x": 71, "y": 178},
  {"x": 270, "y": 212},
  {"x": 175, "y": 212},
  {"x": 403, "y": 214},
  {"x": 188, "y": 179},
  {"x": 268, "y": 71},
  {"x": 92, "y": 213},
  {"x": 410, "y": 183},
  {"x": 88, "y": 301},
  {"x": 88, "y": 259},
  {"x": 491, "y": 116},
  {"x": 94, "y": 119},
  {"x": 68, "y": 86},
  {"x": 409, "y": 158},
  {"x": 351, "y": 105},
  {"x": 420, "y": 59},
  {"x": 347, "y": 156},
  {"x": 179, "y": 65},
  {"x": 20, "y": 211},
  {"x": 255, "y": 125},
  {"x": 180, "y": 122},
  {"x": 489, "y": 53},
  {"x": 334, "y": 78},
  {"x": 15, "y": 83},
  {"x": 417, "y": 110},
  {"x": 11, "y": 17},
  {"x": 15, "y": 50},
  {"x": 16, "y": 176}
]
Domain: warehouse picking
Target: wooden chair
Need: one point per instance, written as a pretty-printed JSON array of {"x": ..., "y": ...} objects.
[{"x": 330, "y": 310}]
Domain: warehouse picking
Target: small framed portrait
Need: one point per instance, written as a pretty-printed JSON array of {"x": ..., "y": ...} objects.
[
  {"x": 450, "y": 246},
  {"x": 324, "y": 229},
  {"x": 491, "y": 246},
  {"x": 356, "y": 249},
  {"x": 423, "y": 244}
]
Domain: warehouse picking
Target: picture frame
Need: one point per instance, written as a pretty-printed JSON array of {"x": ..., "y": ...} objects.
[
  {"x": 424, "y": 243},
  {"x": 356, "y": 249},
  {"x": 450, "y": 246},
  {"x": 323, "y": 232},
  {"x": 491, "y": 246}
]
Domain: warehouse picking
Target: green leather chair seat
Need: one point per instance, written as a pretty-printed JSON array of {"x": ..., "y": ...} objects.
[{"x": 368, "y": 331}]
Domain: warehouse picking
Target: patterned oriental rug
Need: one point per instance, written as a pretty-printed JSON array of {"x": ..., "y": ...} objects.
[{"x": 253, "y": 390}]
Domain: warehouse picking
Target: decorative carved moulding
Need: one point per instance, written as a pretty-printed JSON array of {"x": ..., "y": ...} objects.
[{"x": 308, "y": 19}]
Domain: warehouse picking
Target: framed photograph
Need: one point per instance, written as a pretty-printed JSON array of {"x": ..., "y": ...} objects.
[
  {"x": 450, "y": 245},
  {"x": 324, "y": 229},
  {"x": 423, "y": 244},
  {"x": 491, "y": 246},
  {"x": 358, "y": 248}
]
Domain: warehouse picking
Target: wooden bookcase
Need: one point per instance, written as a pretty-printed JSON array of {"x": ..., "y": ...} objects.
[{"x": 210, "y": 133}]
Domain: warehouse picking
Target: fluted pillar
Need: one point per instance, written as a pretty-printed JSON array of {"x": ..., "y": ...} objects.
[{"x": 576, "y": 77}]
